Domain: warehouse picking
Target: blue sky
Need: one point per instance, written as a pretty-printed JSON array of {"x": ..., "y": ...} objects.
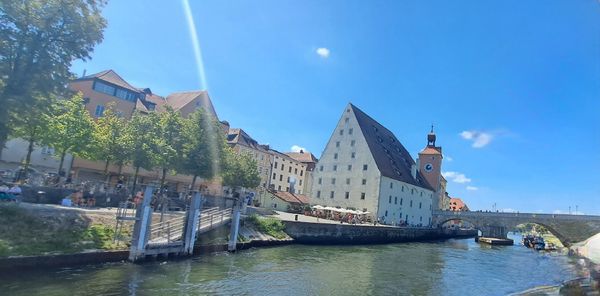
[{"x": 513, "y": 87}]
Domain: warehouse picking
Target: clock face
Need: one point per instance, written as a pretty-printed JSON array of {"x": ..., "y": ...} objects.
[{"x": 428, "y": 167}]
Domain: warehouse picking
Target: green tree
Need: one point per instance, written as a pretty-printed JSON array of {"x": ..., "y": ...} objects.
[
  {"x": 39, "y": 39},
  {"x": 200, "y": 147},
  {"x": 70, "y": 129},
  {"x": 113, "y": 141},
  {"x": 240, "y": 170},
  {"x": 144, "y": 131},
  {"x": 31, "y": 126},
  {"x": 170, "y": 139}
]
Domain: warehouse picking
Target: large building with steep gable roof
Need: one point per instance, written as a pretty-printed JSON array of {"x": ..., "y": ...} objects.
[{"x": 365, "y": 167}]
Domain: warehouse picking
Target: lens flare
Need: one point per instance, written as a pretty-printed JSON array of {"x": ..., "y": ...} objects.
[{"x": 195, "y": 43}]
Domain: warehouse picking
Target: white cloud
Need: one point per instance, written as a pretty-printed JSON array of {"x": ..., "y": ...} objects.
[
  {"x": 296, "y": 148},
  {"x": 456, "y": 177},
  {"x": 472, "y": 188},
  {"x": 323, "y": 52},
  {"x": 479, "y": 139}
]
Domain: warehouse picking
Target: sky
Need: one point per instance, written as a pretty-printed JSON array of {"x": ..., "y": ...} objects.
[{"x": 512, "y": 87}]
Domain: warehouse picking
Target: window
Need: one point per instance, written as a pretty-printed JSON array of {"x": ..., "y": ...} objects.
[
  {"x": 390, "y": 200},
  {"x": 395, "y": 200},
  {"x": 421, "y": 219},
  {"x": 352, "y": 143},
  {"x": 412, "y": 191},
  {"x": 420, "y": 205},
  {"x": 47, "y": 150},
  {"x": 287, "y": 189},
  {"x": 288, "y": 179},
  {"x": 411, "y": 203},
  {"x": 289, "y": 169},
  {"x": 353, "y": 155},
  {"x": 333, "y": 181},
  {"x": 275, "y": 166},
  {"x": 125, "y": 95},
  {"x": 401, "y": 200},
  {"x": 391, "y": 185},
  {"x": 318, "y": 194},
  {"x": 295, "y": 171},
  {"x": 341, "y": 132},
  {"x": 364, "y": 181},
  {"x": 402, "y": 188},
  {"x": 274, "y": 205},
  {"x": 321, "y": 168},
  {"x": 104, "y": 88},
  {"x": 99, "y": 111},
  {"x": 281, "y": 177},
  {"x": 282, "y": 166},
  {"x": 320, "y": 181},
  {"x": 331, "y": 194},
  {"x": 349, "y": 167},
  {"x": 335, "y": 167},
  {"x": 362, "y": 195},
  {"x": 335, "y": 156},
  {"x": 279, "y": 187},
  {"x": 347, "y": 181},
  {"x": 346, "y": 119},
  {"x": 365, "y": 167},
  {"x": 347, "y": 195},
  {"x": 386, "y": 213},
  {"x": 300, "y": 182},
  {"x": 350, "y": 131},
  {"x": 337, "y": 144},
  {"x": 301, "y": 171}
]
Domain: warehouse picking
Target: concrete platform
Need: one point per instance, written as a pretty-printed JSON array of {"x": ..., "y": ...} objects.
[{"x": 495, "y": 241}]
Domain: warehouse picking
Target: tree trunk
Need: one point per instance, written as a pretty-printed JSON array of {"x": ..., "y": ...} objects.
[
  {"x": 193, "y": 183},
  {"x": 162, "y": 180},
  {"x": 135, "y": 175},
  {"x": 62, "y": 161},
  {"x": 27, "y": 159},
  {"x": 106, "y": 172}
]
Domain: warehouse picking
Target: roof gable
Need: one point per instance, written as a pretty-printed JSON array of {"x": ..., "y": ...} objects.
[
  {"x": 392, "y": 159},
  {"x": 179, "y": 100},
  {"x": 112, "y": 77}
]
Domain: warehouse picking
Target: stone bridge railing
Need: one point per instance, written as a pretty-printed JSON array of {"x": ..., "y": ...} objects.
[{"x": 568, "y": 228}]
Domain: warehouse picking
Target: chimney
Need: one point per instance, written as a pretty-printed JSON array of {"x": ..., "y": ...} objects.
[{"x": 301, "y": 151}]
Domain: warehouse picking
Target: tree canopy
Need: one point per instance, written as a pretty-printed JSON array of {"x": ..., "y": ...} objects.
[{"x": 39, "y": 39}]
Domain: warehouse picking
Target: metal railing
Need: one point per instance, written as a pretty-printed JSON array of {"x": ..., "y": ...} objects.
[{"x": 172, "y": 230}]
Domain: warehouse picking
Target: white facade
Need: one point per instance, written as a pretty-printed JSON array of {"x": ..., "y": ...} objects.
[
  {"x": 43, "y": 159},
  {"x": 340, "y": 178},
  {"x": 284, "y": 169},
  {"x": 347, "y": 176}
]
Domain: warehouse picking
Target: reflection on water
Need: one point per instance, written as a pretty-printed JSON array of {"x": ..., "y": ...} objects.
[{"x": 454, "y": 267}]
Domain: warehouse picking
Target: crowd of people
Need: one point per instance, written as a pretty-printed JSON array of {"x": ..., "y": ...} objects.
[{"x": 10, "y": 192}]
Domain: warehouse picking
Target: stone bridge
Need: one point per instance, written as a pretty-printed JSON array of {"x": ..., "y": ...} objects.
[{"x": 567, "y": 228}]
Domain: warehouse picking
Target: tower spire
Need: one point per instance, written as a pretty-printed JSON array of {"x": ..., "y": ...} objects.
[{"x": 431, "y": 138}]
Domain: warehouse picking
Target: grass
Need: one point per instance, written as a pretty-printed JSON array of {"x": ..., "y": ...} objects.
[
  {"x": 270, "y": 226},
  {"x": 23, "y": 232}
]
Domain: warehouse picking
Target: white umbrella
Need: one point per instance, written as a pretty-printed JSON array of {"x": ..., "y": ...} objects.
[{"x": 318, "y": 207}]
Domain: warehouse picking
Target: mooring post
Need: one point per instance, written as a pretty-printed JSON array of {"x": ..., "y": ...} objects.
[
  {"x": 192, "y": 223},
  {"x": 141, "y": 228},
  {"x": 235, "y": 225}
]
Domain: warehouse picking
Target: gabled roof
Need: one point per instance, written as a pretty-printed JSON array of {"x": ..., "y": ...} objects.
[
  {"x": 112, "y": 77},
  {"x": 431, "y": 150},
  {"x": 392, "y": 159},
  {"x": 304, "y": 157},
  {"x": 181, "y": 99},
  {"x": 291, "y": 197},
  {"x": 238, "y": 136}
]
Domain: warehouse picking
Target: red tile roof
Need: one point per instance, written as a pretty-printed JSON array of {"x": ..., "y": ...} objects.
[
  {"x": 181, "y": 99},
  {"x": 305, "y": 157},
  {"x": 430, "y": 150},
  {"x": 291, "y": 197}
]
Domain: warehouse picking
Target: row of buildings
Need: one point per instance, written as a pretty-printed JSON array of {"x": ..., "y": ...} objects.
[{"x": 362, "y": 167}]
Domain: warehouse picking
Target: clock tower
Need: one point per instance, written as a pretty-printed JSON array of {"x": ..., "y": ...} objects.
[{"x": 430, "y": 166}]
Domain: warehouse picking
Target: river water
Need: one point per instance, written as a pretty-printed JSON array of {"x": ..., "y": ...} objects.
[{"x": 452, "y": 267}]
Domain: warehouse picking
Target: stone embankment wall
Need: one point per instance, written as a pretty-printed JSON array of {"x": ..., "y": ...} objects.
[{"x": 316, "y": 233}]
